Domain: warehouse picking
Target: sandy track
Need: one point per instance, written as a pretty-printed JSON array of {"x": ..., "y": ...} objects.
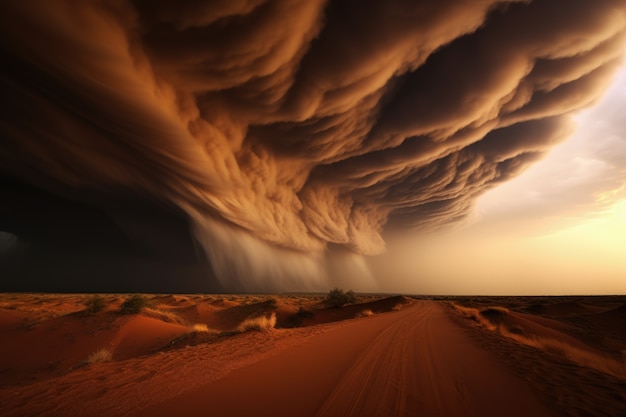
[{"x": 415, "y": 362}]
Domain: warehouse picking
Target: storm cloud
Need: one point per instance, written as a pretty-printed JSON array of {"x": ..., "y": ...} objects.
[{"x": 296, "y": 126}]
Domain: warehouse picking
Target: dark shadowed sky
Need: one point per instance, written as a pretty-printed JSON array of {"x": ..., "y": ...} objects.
[{"x": 296, "y": 145}]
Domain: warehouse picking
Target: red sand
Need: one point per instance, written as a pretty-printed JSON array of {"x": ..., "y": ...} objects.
[
  {"x": 141, "y": 335},
  {"x": 409, "y": 363},
  {"x": 424, "y": 359}
]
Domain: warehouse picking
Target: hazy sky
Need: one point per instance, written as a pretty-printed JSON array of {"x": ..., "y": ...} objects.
[
  {"x": 558, "y": 228},
  {"x": 296, "y": 145},
  {"x": 568, "y": 212}
]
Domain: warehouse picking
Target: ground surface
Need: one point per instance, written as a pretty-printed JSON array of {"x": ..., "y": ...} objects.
[
  {"x": 407, "y": 363},
  {"x": 385, "y": 356}
]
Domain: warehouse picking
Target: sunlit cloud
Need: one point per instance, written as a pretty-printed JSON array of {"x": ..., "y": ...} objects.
[{"x": 579, "y": 179}]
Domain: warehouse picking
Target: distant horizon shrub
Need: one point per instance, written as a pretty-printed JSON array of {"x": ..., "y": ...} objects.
[
  {"x": 135, "y": 304},
  {"x": 337, "y": 298},
  {"x": 95, "y": 304}
]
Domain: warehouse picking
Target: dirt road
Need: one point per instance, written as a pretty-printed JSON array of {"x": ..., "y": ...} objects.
[{"x": 414, "y": 362}]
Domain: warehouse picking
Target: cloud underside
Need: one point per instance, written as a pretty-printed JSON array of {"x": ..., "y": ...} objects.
[{"x": 303, "y": 123}]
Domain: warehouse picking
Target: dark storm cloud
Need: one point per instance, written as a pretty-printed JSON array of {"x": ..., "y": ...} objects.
[{"x": 302, "y": 123}]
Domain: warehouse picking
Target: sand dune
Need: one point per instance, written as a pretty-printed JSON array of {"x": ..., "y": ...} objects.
[
  {"x": 383, "y": 356},
  {"x": 141, "y": 335},
  {"x": 582, "y": 376},
  {"x": 571, "y": 308},
  {"x": 612, "y": 319}
]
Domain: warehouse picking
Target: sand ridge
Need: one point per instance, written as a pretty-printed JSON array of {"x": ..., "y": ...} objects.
[{"x": 579, "y": 375}]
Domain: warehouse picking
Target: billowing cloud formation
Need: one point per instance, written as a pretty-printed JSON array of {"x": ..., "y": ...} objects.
[{"x": 302, "y": 123}]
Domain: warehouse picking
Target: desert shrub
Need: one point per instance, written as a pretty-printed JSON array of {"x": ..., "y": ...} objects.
[
  {"x": 102, "y": 355},
  {"x": 134, "y": 304},
  {"x": 95, "y": 304},
  {"x": 258, "y": 323},
  {"x": 337, "y": 298}
]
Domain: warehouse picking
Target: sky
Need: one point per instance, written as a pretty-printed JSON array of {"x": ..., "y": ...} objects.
[
  {"x": 280, "y": 145},
  {"x": 557, "y": 228}
]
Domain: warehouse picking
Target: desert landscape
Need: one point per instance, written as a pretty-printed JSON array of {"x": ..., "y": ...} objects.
[
  {"x": 311, "y": 355},
  {"x": 287, "y": 208}
]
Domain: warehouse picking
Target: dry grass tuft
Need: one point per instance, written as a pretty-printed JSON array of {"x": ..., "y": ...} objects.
[
  {"x": 265, "y": 323},
  {"x": 365, "y": 313},
  {"x": 467, "y": 312},
  {"x": 475, "y": 315},
  {"x": 202, "y": 328},
  {"x": 572, "y": 353},
  {"x": 102, "y": 355},
  {"x": 164, "y": 315},
  {"x": 492, "y": 319}
]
